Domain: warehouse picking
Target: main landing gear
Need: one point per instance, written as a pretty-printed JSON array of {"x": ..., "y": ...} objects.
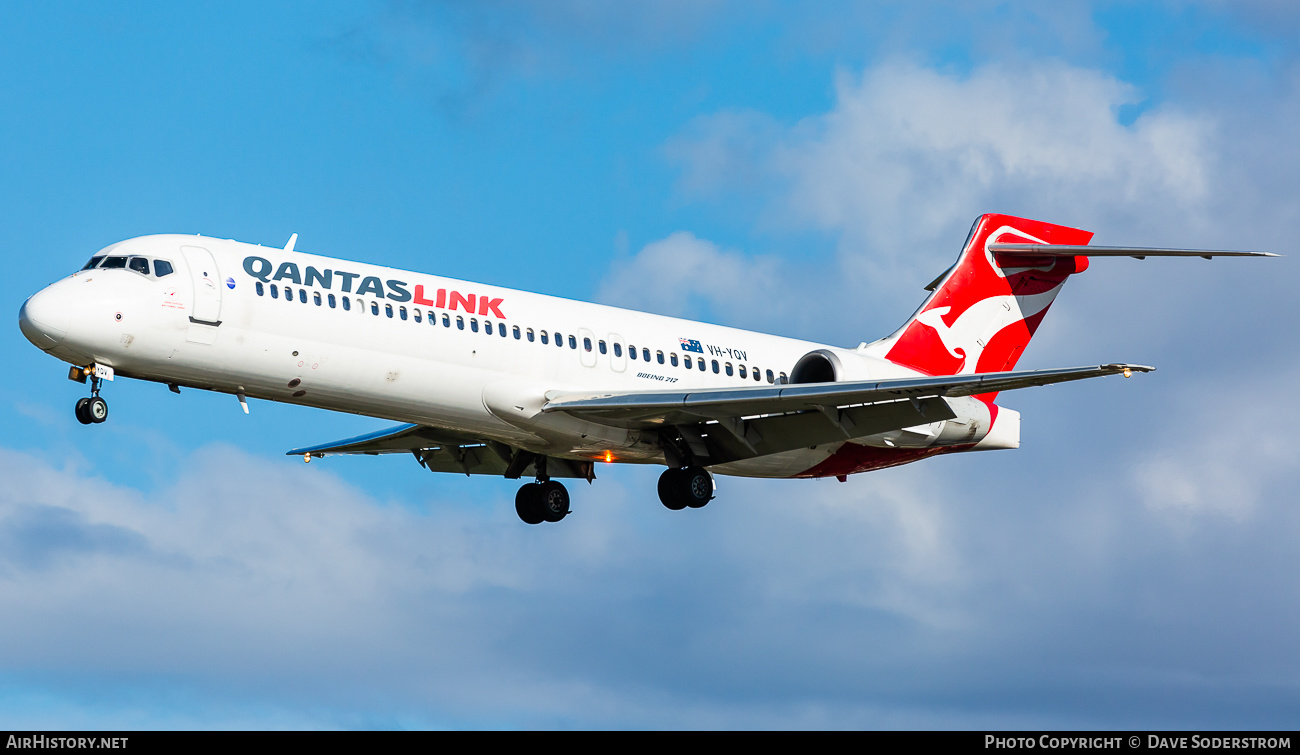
[
  {"x": 543, "y": 501},
  {"x": 688, "y": 486},
  {"x": 92, "y": 410},
  {"x": 539, "y": 502}
]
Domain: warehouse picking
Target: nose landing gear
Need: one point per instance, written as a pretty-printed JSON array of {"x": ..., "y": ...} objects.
[{"x": 92, "y": 410}]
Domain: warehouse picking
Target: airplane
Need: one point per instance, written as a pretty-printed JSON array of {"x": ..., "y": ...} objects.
[{"x": 488, "y": 380}]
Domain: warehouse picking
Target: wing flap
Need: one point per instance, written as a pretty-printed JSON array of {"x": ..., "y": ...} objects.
[{"x": 732, "y": 440}]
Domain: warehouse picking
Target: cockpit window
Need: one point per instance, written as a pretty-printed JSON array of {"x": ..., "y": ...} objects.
[
  {"x": 139, "y": 264},
  {"x": 113, "y": 262},
  {"x": 93, "y": 262},
  {"x": 162, "y": 267}
]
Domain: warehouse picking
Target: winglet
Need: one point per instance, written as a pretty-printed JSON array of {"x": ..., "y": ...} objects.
[{"x": 292, "y": 240}]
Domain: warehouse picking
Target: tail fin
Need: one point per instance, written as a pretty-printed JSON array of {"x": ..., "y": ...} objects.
[{"x": 987, "y": 306}]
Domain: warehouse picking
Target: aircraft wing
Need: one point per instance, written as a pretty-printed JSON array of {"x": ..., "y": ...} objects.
[
  {"x": 442, "y": 451},
  {"x": 729, "y": 424},
  {"x": 719, "y": 424},
  {"x": 659, "y": 407}
]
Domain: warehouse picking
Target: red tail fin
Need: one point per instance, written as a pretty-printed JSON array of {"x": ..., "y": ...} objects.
[{"x": 985, "y": 310}]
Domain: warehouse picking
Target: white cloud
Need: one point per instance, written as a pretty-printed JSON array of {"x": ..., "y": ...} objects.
[
  {"x": 909, "y": 156},
  {"x": 684, "y": 275},
  {"x": 1224, "y": 455}
]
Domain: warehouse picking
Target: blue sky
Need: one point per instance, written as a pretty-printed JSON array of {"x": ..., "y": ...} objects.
[{"x": 787, "y": 167}]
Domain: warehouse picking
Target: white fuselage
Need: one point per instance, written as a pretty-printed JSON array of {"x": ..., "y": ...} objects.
[{"x": 465, "y": 357}]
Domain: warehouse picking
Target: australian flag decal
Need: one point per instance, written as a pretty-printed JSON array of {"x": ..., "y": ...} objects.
[{"x": 691, "y": 345}]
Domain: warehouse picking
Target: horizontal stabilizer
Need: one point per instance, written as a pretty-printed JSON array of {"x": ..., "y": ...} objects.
[{"x": 1137, "y": 252}]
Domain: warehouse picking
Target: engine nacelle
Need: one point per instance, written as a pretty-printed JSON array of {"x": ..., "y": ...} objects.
[{"x": 820, "y": 366}]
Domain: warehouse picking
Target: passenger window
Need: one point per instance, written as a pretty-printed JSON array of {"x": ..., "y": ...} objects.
[
  {"x": 672, "y": 358},
  {"x": 113, "y": 263},
  {"x": 715, "y": 367},
  {"x": 645, "y": 354},
  {"x": 770, "y": 377},
  {"x": 473, "y": 324},
  {"x": 347, "y": 304},
  {"x": 315, "y": 296},
  {"x": 573, "y": 343},
  {"x": 460, "y": 322},
  {"x": 93, "y": 262},
  {"x": 700, "y": 363},
  {"x": 288, "y": 294},
  {"x": 275, "y": 292},
  {"x": 757, "y": 377},
  {"x": 728, "y": 368},
  {"x": 602, "y": 348},
  {"x": 415, "y": 315},
  {"x": 518, "y": 334},
  {"x": 446, "y": 321},
  {"x": 374, "y": 308},
  {"x": 361, "y": 305},
  {"x": 784, "y": 379},
  {"x": 618, "y": 351},
  {"x": 659, "y": 357},
  {"x": 162, "y": 267},
  {"x": 530, "y": 335},
  {"x": 261, "y": 291},
  {"x": 139, "y": 264},
  {"x": 686, "y": 363},
  {"x": 501, "y": 330},
  {"x": 742, "y": 372},
  {"x": 302, "y": 295},
  {"x": 544, "y": 341},
  {"x": 586, "y": 344},
  {"x": 333, "y": 302},
  {"x": 401, "y": 312}
]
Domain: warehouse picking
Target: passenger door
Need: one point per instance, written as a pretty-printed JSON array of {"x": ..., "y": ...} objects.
[{"x": 205, "y": 316}]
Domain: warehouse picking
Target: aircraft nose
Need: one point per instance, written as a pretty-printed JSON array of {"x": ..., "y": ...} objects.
[{"x": 44, "y": 320}]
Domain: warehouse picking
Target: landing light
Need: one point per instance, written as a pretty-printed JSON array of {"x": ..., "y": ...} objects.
[{"x": 609, "y": 457}]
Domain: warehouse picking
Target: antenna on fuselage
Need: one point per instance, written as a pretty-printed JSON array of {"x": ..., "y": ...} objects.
[{"x": 292, "y": 240}]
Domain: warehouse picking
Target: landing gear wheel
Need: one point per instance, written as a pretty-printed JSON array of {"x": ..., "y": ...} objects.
[
  {"x": 670, "y": 490},
  {"x": 696, "y": 486},
  {"x": 554, "y": 500},
  {"x": 80, "y": 411},
  {"x": 691, "y": 486},
  {"x": 528, "y": 503},
  {"x": 97, "y": 409}
]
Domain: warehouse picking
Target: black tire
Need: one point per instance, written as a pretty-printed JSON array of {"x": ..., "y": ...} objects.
[
  {"x": 553, "y": 501},
  {"x": 97, "y": 410},
  {"x": 80, "y": 411},
  {"x": 527, "y": 503},
  {"x": 696, "y": 486},
  {"x": 670, "y": 490}
]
